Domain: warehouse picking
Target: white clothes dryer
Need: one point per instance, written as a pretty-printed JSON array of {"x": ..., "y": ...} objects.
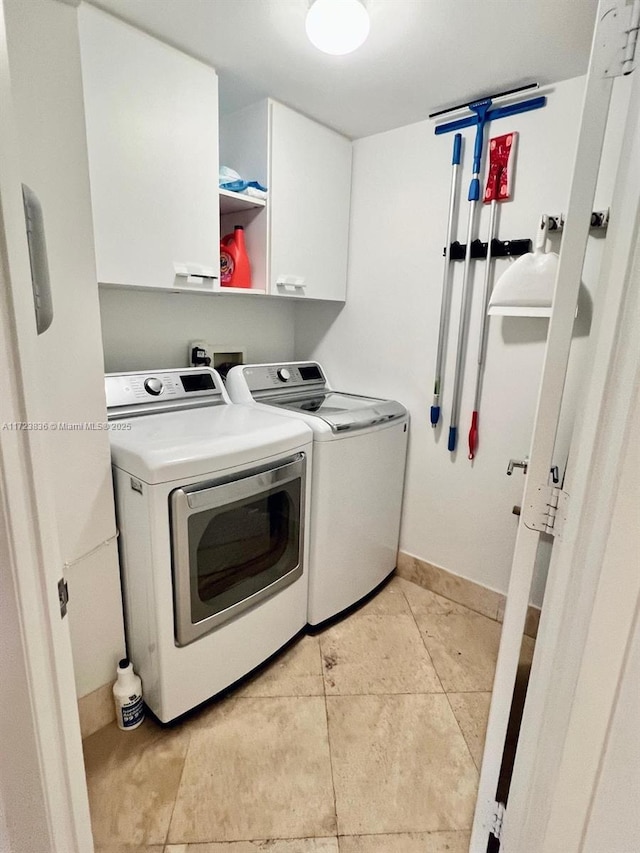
[
  {"x": 360, "y": 446},
  {"x": 212, "y": 501}
]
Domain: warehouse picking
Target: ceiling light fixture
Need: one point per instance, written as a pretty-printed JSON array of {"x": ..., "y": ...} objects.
[{"x": 337, "y": 26}]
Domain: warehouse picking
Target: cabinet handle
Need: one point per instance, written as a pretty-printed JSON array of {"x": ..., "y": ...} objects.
[
  {"x": 291, "y": 283},
  {"x": 195, "y": 274},
  {"x": 38, "y": 259}
]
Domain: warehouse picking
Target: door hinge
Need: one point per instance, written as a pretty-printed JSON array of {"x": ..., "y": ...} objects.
[
  {"x": 620, "y": 41},
  {"x": 496, "y": 820},
  {"x": 548, "y": 511},
  {"x": 63, "y": 597}
]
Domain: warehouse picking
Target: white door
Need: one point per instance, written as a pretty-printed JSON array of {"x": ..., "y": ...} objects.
[
  {"x": 539, "y": 497},
  {"x": 309, "y": 197},
  {"x": 42, "y": 786}
]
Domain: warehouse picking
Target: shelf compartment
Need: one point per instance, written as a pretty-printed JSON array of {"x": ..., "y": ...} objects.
[{"x": 231, "y": 202}]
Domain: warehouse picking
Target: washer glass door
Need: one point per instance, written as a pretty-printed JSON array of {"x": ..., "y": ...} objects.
[{"x": 235, "y": 542}]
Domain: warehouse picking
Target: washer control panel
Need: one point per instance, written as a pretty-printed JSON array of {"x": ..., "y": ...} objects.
[
  {"x": 153, "y": 386},
  {"x": 170, "y": 387},
  {"x": 269, "y": 377}
]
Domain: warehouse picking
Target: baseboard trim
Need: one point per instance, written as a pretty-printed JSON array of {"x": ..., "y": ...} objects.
[
  {"x": 96, "y": 710},
  {"x": 473, "y": 595}
]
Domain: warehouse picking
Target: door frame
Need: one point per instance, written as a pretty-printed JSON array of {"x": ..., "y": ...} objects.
[
  {"x": 490, "y": 816},
  {"x": 45, "y": 799},
  {"x": 552, "y": 747},
  {"x": 537, "y": 494}
]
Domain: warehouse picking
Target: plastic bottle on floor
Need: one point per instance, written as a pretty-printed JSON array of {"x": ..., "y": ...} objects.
[{"x": 127, "y": 695}]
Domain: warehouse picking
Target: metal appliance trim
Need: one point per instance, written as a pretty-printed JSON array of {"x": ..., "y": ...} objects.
[
  {"x": 125, "y": 403},
  {"x": 185, "y": 631}
]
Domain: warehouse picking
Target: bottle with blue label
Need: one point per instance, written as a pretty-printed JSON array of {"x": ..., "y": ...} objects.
[{"x": 127, "y": 694}]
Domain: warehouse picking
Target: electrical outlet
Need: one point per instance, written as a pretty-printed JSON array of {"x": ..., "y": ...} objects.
[{"x": 200, "y": 354}]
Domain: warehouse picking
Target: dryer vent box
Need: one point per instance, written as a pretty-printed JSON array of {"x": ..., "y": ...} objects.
[{"x": 222, "y": 358}]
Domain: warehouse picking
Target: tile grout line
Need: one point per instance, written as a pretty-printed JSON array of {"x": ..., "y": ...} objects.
[
  {"x": 470, "y": 692},
  {"x": 415, "y": 622},
  {"x": 466, "y": 831},
  {"x": 394, "y": 693},
  {"x": 464, "y": 737},
  {"x": 326, "y": 714},
  {"x": 175, "y": 799},
  {"x": 441, "y": 684}
]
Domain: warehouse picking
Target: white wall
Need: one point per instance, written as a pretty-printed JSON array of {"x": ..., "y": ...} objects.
[
  {"x": 143, "y": 330},
  {"x": 593, "y": 790},
  {"x": 47, "y": 91},
  {"x": 614, "y": 823},
  {"x": 456, "y": 514}
]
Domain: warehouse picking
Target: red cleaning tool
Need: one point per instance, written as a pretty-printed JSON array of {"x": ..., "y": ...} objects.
[{"x": 498, "y": 189}]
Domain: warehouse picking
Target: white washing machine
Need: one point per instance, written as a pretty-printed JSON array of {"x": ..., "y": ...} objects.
[
  {"x": 360, "y": 446},
  {"x": 212, "y": 501}
]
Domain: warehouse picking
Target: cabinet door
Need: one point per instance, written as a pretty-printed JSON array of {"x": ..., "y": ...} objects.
[
  {"x": 309, "y": 195},
  {"x": 152, "y": 132}
]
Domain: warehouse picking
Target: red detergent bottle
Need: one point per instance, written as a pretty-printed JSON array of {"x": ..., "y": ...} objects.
[{"x": 235, "y": 269}]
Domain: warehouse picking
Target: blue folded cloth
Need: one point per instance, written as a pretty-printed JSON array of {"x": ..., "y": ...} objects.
[{"x": 239, "y": 186}]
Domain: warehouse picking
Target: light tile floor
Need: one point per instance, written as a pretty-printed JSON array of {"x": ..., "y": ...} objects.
[{"x": 366, "y": 738}]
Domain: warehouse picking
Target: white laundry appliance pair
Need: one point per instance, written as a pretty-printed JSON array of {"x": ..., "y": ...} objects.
[{"x": 214, "y": 505}]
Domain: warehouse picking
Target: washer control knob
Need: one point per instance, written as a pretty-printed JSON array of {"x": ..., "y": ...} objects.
[
  {"x": 284, "y": 374},
  {"x": 153, "y": 386}
]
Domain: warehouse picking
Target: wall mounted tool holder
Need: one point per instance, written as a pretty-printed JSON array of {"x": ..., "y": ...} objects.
[
  {"x": 515, "y": 248},
  {"x": 499, "y": 249},
  {"x": 599, "y": 220}
]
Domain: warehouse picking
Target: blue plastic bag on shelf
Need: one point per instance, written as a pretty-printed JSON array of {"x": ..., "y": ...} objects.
[{"x": 228, "y": 179}]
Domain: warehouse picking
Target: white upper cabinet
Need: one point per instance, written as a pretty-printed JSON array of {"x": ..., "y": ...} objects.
[
  {"x": 298, "y": 244},
  {"x": 309, "y": 198},
  {"x": 152, "y": 133}
]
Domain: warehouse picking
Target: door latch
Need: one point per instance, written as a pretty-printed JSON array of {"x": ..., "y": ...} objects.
[{"x": 517, "y": 463}]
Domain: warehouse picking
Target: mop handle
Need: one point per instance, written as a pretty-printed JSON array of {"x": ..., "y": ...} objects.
[
  {"x": 486, "y": 294},
  {"x": 497, "y": 190},
  {"x": 442, "y": 332},
  {"x": 473, "y": 431},
  {"x": 457, "y": 384},
  {"x": 482, "y": 109}
]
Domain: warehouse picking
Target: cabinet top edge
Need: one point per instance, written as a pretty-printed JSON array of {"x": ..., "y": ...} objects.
[
  {"x": 92, "y": 7},
  {"x": 268, "y": 103}
]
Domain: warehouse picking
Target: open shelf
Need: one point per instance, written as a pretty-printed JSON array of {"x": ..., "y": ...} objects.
[
  {"x": 231, "y": 202},
  {"x": 242, "y": 291}
]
